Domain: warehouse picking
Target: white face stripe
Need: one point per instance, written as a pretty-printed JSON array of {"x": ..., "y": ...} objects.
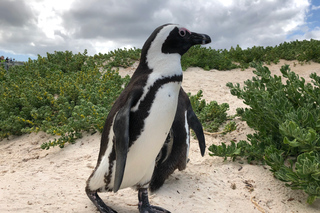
[
  {"x": 155, "y": 56},
  {"x": 162, "y": 65}
]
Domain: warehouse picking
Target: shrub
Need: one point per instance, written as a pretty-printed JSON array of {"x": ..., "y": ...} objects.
[
  {"x": 63, "y": 94},
  {"x": 286, "y": 118},
  {"x": 211, "y": 115},
  {"x": 207, "y": 59}
]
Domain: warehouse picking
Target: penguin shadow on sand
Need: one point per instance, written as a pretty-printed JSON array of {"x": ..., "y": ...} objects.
[
  {"x": 175, "y": 151},
  {"x": 141, "y": 119}
]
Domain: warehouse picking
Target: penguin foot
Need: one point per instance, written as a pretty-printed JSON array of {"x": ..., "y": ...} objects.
[
  {"x": 102, "y": 207},
  {"x": 144, "y": 205}
]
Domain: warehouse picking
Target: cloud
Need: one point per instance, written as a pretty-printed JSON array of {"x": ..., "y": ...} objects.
[
  {"x": 120, "y": 21},
  {"x": 17, "y": 26},
  {"x": 230, "y": 23},
  {"x": 36, "y": 26},
  {"x": 251, "y": 23},
  {"x": 22, "y": 33},
  {"x": 14, "y": 14}
]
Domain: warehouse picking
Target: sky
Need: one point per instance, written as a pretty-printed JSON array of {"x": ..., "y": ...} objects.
[{"x": 29, "y": 28}]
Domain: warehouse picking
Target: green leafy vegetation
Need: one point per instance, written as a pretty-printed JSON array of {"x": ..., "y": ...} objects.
[
  {"x": 211, "y": 115},
  {"x": 286, "y": 117},
  {"x": 62, "y": 94},
  {"x": 118, "y": 58},
  {"x": 208, "y": 58}
]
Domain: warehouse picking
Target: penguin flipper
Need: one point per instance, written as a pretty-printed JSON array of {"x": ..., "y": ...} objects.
[
  {"x": 195, "y": 124},
  {"x": 121, "y": 131}
]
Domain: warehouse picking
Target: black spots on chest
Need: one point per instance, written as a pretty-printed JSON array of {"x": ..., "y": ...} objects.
[{"x": 169, "y": 93}]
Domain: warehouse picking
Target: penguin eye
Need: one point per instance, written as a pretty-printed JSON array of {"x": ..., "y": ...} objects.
[{"x": 183, "y": 32}]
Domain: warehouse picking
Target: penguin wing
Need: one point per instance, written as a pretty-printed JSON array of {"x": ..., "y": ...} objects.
[
  {"x": 121, "y": 131},
  {"x": 195, "y": 124}
]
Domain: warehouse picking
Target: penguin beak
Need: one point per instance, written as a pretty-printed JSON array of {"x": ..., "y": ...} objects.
[{"x": 198, "y": 38}]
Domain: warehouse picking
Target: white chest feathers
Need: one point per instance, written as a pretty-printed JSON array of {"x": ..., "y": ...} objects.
[{"x": 142, "y": 154}]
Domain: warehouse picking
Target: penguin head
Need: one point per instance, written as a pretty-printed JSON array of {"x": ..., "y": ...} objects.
[
  {"x": 172, "y": 39},
  {"x": 181, "y": 39}
]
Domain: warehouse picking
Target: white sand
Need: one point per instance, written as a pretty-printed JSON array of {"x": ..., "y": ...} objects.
[{"x": 35, "y": 180}]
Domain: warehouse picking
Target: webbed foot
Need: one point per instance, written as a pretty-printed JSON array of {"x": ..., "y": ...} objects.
[
  {"x": 144, "y": 205},
  {"x": 102, "y": 207}
]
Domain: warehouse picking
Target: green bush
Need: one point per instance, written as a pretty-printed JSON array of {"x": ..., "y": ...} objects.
[
  {"x": 63, "y": 94},
  {"x": 207, "y": 59},
  {"x": 286, "y": 118},
  {"x": 211, "y": 115},
  {"x": 118, "y": 58}
]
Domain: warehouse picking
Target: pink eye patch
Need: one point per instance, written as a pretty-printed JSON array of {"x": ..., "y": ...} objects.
[{"x": 183, "y": 31}]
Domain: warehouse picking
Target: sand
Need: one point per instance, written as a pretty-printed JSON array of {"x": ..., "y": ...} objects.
[{"x": 35, "y": 180}]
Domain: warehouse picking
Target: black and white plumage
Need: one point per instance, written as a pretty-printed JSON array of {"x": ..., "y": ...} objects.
[
  {"x": 140, "y": 119},
  {"x": 175, "y": 151}
]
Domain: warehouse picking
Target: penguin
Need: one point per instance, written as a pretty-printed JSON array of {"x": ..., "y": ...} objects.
[
  {"x": 174, "y": 153},
  {"x": 141, "y": 117}
]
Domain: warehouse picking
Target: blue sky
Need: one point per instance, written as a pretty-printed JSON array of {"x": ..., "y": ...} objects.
[
  {"x": 29, "y": 28},
  {"x": 312, "y": 23},
  {"x": 314, "y": 16}
]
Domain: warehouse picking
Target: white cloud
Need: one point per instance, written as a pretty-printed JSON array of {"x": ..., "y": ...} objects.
[
  {"x": 49, "y": 15},
  {"x": 314, "y": 34},
  {"x": 315, "y": 7},
  {"x": 38, "y": 26}
]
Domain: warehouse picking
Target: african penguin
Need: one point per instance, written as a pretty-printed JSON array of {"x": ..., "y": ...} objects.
[
  {"x": 174, "y": 153},
  {"x": 140, "y": 119}
]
